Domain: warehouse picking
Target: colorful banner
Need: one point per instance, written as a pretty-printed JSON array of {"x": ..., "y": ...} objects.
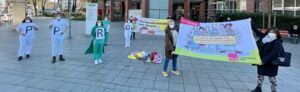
[
  {"x": 222, "y": 41},
  {"x": 151, "y": 26},
  {"x": 91, "y": 17}
]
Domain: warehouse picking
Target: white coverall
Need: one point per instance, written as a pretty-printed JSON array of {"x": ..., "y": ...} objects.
[
  {"x": 26, "y": 40},
  {"x": 128, "y": 29},
  {"x": 57, "y": 31}
]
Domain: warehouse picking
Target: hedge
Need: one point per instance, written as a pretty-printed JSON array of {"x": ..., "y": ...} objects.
[
  {"x": 49, "y": 15},
  {"x": 282, "y": 21}
]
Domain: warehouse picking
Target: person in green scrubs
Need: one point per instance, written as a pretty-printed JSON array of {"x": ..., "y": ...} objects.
[
  {"x": 97, "y": 44},
  {"x": 106, "y": 24}
]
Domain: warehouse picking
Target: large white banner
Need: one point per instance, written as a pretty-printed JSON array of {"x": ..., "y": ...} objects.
[
  {"x": 91, "y": 17},
  {"x": 220, "y": 41}
]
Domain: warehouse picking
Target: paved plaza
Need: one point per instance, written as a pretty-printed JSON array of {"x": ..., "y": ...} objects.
[{"x": 119, "y": 74}]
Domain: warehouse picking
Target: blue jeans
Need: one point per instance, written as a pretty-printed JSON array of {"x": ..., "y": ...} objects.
[{"x": 174, "y": 63}]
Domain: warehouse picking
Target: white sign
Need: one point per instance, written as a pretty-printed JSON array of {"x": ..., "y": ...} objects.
[
  {"x": 99, "y": 33},
  {"x": 91, "y": 16}
]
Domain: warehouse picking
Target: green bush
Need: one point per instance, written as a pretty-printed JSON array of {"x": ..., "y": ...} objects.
[
  {"x": 48, "y": 15},
  {"x": 282, "y": 21},
  {"x": 82, "y": 18}
]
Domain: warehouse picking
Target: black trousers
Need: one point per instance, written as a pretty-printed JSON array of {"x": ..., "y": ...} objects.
[{"x": 132, "y": 36}]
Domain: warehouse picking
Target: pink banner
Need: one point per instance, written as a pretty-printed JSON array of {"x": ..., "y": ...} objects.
[{"x": 189, "y": 22}]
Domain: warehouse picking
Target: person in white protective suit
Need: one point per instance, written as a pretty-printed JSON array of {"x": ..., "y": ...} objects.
[
  {"x": 127, "y": 32},
  {"x": 26, "y": 30},
  {"x": 58, "y": 28}
]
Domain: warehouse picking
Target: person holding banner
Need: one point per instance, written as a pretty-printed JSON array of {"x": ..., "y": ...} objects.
[
  {"x": 128, "y": 29},
  {"x": 26, "y": 30},
  {"x": 170, "y": 43},
  {"x": 97, "y": 44},
  {"x": 106, "y": 24},
  {"x": 58, "y": 27},
  {"x": 269, "y": 45},
  {"x": 133, "y": 26}
]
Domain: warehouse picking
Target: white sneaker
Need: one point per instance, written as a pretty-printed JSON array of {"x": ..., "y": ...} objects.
[
  {"x": 96, "y": 62},
  {"x": 100, "y": 61}
]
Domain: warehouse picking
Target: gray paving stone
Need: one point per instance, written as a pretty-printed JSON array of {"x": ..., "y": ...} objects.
[
  {"x": 149, "y": 76},
  {"x": 120, "y": 80},
  {"x": 133, "y": 89},
  {"x": 34, "y": 90},
  {"x": 95, "y": 89},
  {"x": 49, "y": 84},
  {"x": 146, "y": 84},
  {"x": 191, "y": 88},
  {"x": 15, "y": 89},
  {"x": 5, "y": 87},
  {"x": 204, "y": 82},
  {"x": 208, "y": 89},
  {"x": 220, "y": 84},
  {"x": 119, "y": 74},
  {"x": 125, "y": 74},
  {"x": 161, "y": 85},
  {"x": 137, "y": 75},
  {"x": 225, "y": 90},
  {"x": 236, "y": 85},
  {"x": 132, "y": 82},
  {"x": 66, "y": 87},
  {"x": 80, "y": 88},
  {"x": 151, "y": 90}
]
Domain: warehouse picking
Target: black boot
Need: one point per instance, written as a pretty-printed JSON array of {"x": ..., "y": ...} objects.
[
  {"x": 27, "y": 56},
  {"x": 257, "y": 89},
  {"x": 53, "y": 60},
  {"x": 20, "y": 58},
  {"x": 61, "y": 58}
]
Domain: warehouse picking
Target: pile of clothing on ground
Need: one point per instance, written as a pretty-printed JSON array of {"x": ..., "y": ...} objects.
[{"x": 146, "y": 57}]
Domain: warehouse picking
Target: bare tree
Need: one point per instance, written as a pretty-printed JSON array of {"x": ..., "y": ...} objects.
[
  {"x": 74, "y": 6},
  {"x": 34, "y": 6},
  {"x": 43, "y": 6}
]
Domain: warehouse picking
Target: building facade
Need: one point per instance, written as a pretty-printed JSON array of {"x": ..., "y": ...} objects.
[{"x": 198, "y": 10}]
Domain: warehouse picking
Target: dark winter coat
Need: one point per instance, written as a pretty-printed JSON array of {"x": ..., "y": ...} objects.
[
  {"x": 268, "y": 53},
  {"x": 169, "y": 46},
  {"x": 293, "y": 31}
]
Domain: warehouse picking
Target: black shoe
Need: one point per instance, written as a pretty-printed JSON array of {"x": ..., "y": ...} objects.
[
  {"x": 20, "y": 58},
  {"x": 257, "y": 89},
  {"x": 27, "y": 56},
  {"x": 61, "y": 58},
  {"x": 105, "y": 44},
  {"x": 53, "y": 60}
]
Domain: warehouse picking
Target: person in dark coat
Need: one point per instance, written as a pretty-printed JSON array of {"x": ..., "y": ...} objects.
[
  {"x": 221, "y": 18},
  {"x": 170, "y": 43},
  {"x": 294, "y": 33},
  {"x": 269, "y": 45}
]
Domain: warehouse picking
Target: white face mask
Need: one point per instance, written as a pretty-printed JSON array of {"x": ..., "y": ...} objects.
[
  {"x": 295, "y": 28},
  {"x": 99, "y": 24},
  {"x": 105, "y": 18},
  {"x": 171, "y": 25},
  {"x": 27, "y": 21},
  {"x": 269, "y": 38},
  {"x": 128, "y": 21}
]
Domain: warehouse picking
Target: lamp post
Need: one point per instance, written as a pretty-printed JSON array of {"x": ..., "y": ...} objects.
[{"x": 69, "y": 15}]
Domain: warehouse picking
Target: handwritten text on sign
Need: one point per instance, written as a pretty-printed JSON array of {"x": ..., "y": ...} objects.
[{"x": 228, "y": 40}]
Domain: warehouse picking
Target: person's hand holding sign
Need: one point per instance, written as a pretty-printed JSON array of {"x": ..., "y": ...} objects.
[{"x": 173, "y": 53}]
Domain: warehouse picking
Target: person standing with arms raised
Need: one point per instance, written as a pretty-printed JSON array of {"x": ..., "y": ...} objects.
[
  {"x": 58, "y": 28},
  {"x": 27, "y": 35}
]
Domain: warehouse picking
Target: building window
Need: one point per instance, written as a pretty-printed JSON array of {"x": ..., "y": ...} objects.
[
  {"x": 230, "y": 5},
  {"x": 287, "y": 7},
  {"x": 159, "y": 9}
]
